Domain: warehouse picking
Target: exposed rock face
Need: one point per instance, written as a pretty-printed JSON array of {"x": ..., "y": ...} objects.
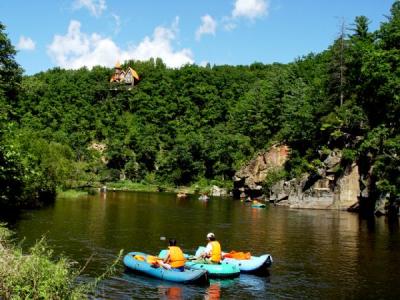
[
  {"x": 99, "y": 147},
  {"x": 251, "y": 176},
  {"x": 347, "y": 188},
  {"x": 327, "y": 189},
  {"x": 218, "y": 192}
]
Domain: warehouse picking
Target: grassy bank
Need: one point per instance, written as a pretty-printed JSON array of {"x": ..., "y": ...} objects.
[
  {"x": 201, "y": 186},
  {"x": 36, "y": 275},
  {"x": 127, "y": 185},
  {"x": 71, "y": 193}
]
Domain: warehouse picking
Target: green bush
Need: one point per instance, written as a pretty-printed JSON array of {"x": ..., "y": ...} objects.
[
  {"x": 273, "y": 177},
  {"x": 36, "y": 275}
]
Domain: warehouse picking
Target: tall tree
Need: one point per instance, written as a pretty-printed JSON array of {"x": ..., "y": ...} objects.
[
  {"x": 389, "y": 32},
  {"x": 338, "y": 66},
  {"x": 10, "y": 71},
  {"x": 11, "y": 172}
]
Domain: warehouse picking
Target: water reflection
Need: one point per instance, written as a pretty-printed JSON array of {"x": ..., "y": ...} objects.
[
  {"x": 393, "y": 223},
  {"x": 213, "y": 292},
  {"x": 170, "y": 293},
  {"x": 317, "y": 254},
  {"x": 138, "y": 285}
]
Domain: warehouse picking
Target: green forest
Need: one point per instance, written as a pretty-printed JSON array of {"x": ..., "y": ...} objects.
[{"x": 195, "y": 124}]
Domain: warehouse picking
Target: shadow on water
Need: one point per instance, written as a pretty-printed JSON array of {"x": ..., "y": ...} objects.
[
  {"x": 393, "y": 223},
  {"x": 9, "y": 217},
  {"x": 136, "y": 286},
  {"x": 369, "y": 220},
  {"x": 203, "y": 282}
]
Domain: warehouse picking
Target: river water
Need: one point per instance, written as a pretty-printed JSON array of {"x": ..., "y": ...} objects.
[{"x": 317, "y": 254}]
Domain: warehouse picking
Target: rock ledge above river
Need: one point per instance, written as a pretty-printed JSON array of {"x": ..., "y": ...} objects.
[{"x": 328, "y": 189}]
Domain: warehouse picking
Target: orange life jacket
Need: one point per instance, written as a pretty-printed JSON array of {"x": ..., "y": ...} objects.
[
  {"x": 153, "y": 260},
  {"x": 176, "y": 258},
  {"x": 237, "y": 255},
  {"x": 215, "y": 252}
]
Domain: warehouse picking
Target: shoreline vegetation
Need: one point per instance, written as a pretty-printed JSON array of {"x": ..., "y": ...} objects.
[
  {"x": 187, "y": 127},
  {"x": 61, "y": 129},
  {"x": 38, "y": 274},
  {"x": 201, "y": 187}
]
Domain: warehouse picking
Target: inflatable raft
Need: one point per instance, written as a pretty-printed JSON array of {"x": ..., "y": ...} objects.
[
  {"x": 252, "y": 265},
  {"x": 222, "y": 270},
  {"x": 258, "y": 205},
  {"x": 137, "y": 261}
]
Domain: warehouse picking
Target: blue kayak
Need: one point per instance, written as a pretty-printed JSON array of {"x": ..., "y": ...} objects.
[
  {"x": 252, "y": 265},
  {"x": 137, "y": 261},
  {"x": 258, "y": 205},
  {"x": 221, "y": 270}
]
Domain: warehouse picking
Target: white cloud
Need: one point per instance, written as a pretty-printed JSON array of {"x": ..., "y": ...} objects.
[
  {"x": 95, "y": 7},
  {"x": 229, "y": 24},
  {"x": 26, "y": 43},
  {"x": 160, "y": 45},
  {"x": 117, "y": 20},
  {"x": 77, "y": 49},
  {"x": 208, "y": 26},
  {"x": 250, "y": 9}
]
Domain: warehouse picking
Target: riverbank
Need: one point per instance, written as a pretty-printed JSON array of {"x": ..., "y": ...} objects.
[
  {"x": 36, "y": 275},
  {"x": 136, "y": 221},
  {"x": 200, "y": 187}
]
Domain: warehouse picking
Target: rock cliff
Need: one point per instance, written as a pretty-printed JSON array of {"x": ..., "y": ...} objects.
[
  {"x": 331, "y": 187},
  {"x": 248, "y": 180}
]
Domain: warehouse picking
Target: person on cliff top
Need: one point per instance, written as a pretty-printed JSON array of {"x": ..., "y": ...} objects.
[
  {"x": 175, "y": 257},
  {"x": 212, "y": 253}
]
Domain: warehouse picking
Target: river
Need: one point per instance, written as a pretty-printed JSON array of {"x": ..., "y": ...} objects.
[{"x": 317, "y": 254}]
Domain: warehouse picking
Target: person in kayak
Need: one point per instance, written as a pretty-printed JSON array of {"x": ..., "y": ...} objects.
[
  {"x": 213, "y": 253},
  {"x": 175, "y": 257}
]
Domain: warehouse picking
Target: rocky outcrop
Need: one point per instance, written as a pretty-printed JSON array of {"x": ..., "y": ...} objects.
[
  {"x": 217, "y": 191},
  {"x": 347, "y": 188},
  {"x": 101, "y": 148},
  {"x": 248, "y": 180},
  {"x": 330, "y": 187}
]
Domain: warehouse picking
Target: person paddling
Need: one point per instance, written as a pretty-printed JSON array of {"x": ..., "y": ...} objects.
[
  {"x": 213, "y": 253},
  {"x": 175, "y": 257}
]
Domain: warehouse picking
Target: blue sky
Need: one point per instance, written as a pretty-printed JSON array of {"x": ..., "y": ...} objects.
[{"x": 76, "y": 33}]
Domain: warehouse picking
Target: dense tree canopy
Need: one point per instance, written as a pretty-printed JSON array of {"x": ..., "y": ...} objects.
[{"x": 180, "y": 126}]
